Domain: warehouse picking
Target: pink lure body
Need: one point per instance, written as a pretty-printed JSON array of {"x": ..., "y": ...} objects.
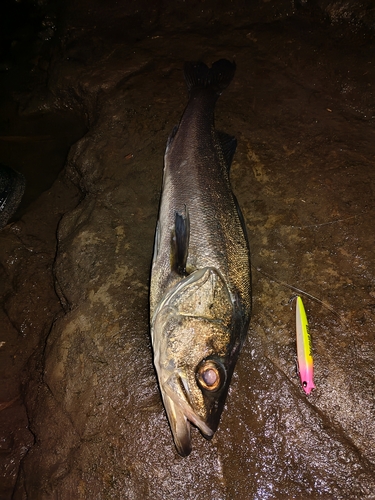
[{"x": 304, "y": 354}]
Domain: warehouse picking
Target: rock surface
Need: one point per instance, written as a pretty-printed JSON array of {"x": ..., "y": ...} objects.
[{"x": 76, "y": 309}]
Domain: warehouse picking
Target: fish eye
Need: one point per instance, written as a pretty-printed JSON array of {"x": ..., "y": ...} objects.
[
  {"x": 304, "y": 384},
  {"x": 210, "y": 375}
]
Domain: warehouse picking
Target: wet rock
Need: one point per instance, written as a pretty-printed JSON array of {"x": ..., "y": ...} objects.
[
  {"x": 356, "y": 14},
  {"x": 29, "y": 306},
  {"x": 301, "y": 109}
]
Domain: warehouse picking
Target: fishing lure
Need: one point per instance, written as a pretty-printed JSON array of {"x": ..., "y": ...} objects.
[{"x": 304, "y": 356}]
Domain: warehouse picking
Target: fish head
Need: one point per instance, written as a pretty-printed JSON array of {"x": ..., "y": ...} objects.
[{"x": 194, "y": 354}]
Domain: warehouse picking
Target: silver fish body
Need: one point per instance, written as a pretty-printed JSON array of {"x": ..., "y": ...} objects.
[{"x": 200, "y": 294}]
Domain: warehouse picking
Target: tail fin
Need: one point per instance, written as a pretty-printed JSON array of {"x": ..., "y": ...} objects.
[{"x": 217, "y": 78}]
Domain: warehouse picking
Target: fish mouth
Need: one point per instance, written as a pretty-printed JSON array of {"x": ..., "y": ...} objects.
[{"x": 181, "y": 414}]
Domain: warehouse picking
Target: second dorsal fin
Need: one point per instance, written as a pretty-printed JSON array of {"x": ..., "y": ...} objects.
[{"x": 228, "y": 145}]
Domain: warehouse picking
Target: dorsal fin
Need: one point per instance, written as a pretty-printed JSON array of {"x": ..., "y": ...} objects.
[
  {"x": 242, "y": 218},
  {"x": 228, "y": 145},
  {"x": 180, "y": 242},
  {"x": 171, "y": 137}
]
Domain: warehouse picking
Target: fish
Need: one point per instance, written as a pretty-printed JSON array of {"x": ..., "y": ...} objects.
[
  {"x": 200, "y": 287},
  {"x": 304, "y": 351}
]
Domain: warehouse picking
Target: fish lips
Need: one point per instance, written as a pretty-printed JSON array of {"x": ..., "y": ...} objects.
[{"x": 181, "y": 414}]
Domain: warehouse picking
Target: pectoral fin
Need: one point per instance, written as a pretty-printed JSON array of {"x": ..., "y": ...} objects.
[{"x": 180, "y": 242}]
